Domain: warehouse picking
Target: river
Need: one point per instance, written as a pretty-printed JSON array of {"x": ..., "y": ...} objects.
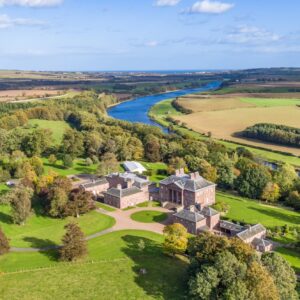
[{"x": 136, "y": 110}]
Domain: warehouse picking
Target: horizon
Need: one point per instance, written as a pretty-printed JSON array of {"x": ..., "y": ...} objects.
[{"x": 148, "y": 35}]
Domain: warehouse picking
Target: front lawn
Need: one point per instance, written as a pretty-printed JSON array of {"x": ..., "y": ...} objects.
[
  {"x": 105, "y": 207},
  {"x": 41, "y": 231},
  {"x": 111, "y": 271},
  {"x": 149, "y": 216}
]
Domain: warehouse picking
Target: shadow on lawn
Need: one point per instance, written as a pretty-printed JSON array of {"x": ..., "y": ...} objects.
[
  {"x": 295, "y": 220},
  {"x": 5, "y": 218},
  {"x": 50, "y": 248},
  {"x": 165, "y": 276}
]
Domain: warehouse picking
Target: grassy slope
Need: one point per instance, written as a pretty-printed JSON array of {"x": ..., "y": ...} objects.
[
  {"x": 79, "y": 167},
  {"x": 57, "y": 127},
  {"x": 113, "y": 275},
  {"x": 252, "y": 211},
  {"x": 292, "y": 256},
  {"x": 155, "y": 168},
  {"x": 268, "y": 102},
  {"x": 40, "y": 231},
  {"x": 158, "y": 113},
  {"x": 148, "y": 216}
]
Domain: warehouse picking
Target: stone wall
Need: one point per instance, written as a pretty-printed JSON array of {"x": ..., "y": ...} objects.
[
  {"x": 213, "y": 221},
  {"x": 98, "y": 189},
  {"x": 206, "y": 196}
]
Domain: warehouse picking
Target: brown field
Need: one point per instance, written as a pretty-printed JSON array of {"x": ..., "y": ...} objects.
[
  {"x": 224, "y": 123},
  {"x": 13, "y": 95},
  {"x": 197, "y": 104}
]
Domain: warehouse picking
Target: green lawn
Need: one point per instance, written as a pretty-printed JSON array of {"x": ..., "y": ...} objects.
[
  {"x": 269, "y": 102},
  {"x": 3, "y": 188},
  {"x": 157, "y": 169},
  {"x": 158, "y": 113},
  {"x": 149, "y": 204},
  {"x": 114, "y": 273},
  {"x": 105, "y": 207},
  {"x": 79, "y": 167},
  {"x": 292, "y": 256},
  {"x": 40, "y": 231},
  {"x": 58, "y": 128},
  {"x": 149, "y": 216},
  {"x": 252, "y": 212}
]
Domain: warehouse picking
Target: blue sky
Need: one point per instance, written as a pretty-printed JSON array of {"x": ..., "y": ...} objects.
[{"x": 148, "y": 34}]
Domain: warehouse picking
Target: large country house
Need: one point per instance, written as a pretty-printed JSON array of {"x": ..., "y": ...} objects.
[
  {"x": 189, "y": 195},
  {"x": 187, "y": 189}
]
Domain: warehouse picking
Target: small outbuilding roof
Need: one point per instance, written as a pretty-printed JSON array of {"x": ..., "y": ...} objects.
[
  {"x": 251, "y": 232},
  {"x": 190, "y": 216},
  {"x": 134, "y": 167},
  {"x": 94, "y": 183}
]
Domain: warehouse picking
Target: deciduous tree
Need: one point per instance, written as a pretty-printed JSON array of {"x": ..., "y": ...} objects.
[{"x": 175, "y": 239}]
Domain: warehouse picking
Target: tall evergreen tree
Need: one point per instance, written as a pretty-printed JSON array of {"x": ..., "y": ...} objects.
[
  {"x": 4, "y": 243},
  {"x": 74, "y": 244}
]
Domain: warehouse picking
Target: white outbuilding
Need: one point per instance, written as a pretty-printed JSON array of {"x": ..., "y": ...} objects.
[{"x": 134, "y": 167}]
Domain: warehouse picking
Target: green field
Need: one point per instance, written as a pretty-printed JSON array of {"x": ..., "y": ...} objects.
[
  {"x": 79, "y": 167},
  {"x": 41, "y": 231},
  {"x": 270, "y": 102},
  {"x": 158, "y": 113},
  {"x": 58, "y": 128},
  {"x": 111, "y": 271},
  {"x": 149, "y": 216},
  {"x": 3, "y": 188},
  {"x": 156, "y": 169},
  {"x": 253, "y": 211},
  {"x": 292, "y": 256}
]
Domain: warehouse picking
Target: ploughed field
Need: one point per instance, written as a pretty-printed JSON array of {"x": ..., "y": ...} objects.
[{"x": 225, "y": 117}]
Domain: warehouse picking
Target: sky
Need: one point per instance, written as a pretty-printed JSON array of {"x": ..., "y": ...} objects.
[{"x": 105, "y": 35}]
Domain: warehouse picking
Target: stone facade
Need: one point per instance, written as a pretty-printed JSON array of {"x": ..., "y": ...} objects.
[
  {"x": 187, "y": 189},
  {"x": 96, "y": 187},
  {"x": 127, "y": 189}
]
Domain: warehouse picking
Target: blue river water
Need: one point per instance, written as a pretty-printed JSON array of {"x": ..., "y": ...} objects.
[{"x": 136, "y": 110}]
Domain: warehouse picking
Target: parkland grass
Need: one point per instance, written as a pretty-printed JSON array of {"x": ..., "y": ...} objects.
[
  {"x": 57, "y": 128},
  {"x": 111, "y": 271},
  {"x": 149, "y": 216},
  {"x": 42, "y": 231},
  {"x": 79, "y": 167},
  {"x": 292, "y": 256}
]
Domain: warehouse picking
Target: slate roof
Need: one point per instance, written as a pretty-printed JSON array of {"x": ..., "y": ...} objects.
[
  {"x": 186, "y": 183},
  {"x": 231, "y": 226},
  {"x": 94, "y": 183},
  {"x": 123, "y": 192},
  {"x": 251, "y": 231},
  {"x": 261, "y": 243},
  {"x": 209, "y": 212},
  {"x": 189, "y": 216},
  {"x": 138, "y": 181}
]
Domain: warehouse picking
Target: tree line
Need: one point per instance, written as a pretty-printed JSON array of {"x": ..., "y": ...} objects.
[{"x": 278, "y": 134}]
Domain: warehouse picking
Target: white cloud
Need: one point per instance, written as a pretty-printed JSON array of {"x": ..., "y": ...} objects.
[
  {"x": 166, "y": 2},
  {"x": 151, "y": 44},
  {"x": 251, "y": 35},
  {"x": 210, "y": 7},
  {"x": 7, "y": 22},
  {"x": 31, "y": 3}
]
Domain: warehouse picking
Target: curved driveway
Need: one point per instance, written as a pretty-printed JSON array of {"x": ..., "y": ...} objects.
[{"x": 123, "y": 222}]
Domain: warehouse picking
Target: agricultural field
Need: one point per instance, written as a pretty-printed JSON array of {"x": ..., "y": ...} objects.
[
  {"x": 164, "y": 109},
  {"x": 41, "y": 231},
  {"x": 224, "y": 118},
  {"x": 111, "y": 271},
  {"x": 57, "y": 128}
]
